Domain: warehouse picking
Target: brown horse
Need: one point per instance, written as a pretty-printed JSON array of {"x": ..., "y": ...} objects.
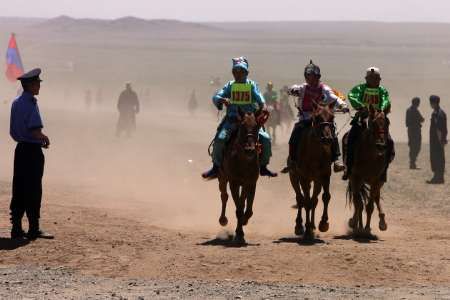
[
  {"x": 313, "y": 165},
  {"x": 240, "y": 169},
  {"x": 369, "y": 164}
]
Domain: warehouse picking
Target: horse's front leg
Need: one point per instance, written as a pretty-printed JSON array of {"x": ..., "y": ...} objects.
[
  {"x": 382, "y": 225},
  {"x": 295, "y": 182},
  {"x": 326, "y": 196},
  {"x": 250, "y": 191},
  {"x": 223, "y": 220},
  {"x": 369, "y": 208},
  {"x": 306, "y": 186},
  {"x": 315, "y": 200},
  {"x": 239, "y": 201},
  {"x": 358, "y": 204}
]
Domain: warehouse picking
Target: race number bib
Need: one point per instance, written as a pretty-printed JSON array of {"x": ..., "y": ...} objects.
[
  {"x": 241, "y": 94},
  {"x": 372, "y": 97}
]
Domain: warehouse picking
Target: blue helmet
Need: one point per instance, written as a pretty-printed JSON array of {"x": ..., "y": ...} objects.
[{"x": 240, "y": 62}]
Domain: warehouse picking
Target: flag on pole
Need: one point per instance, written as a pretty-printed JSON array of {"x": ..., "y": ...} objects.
[{"x": 14, "y": 67}]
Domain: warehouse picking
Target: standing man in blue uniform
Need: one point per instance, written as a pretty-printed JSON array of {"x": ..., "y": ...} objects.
[{"x": 26, "y": 129}]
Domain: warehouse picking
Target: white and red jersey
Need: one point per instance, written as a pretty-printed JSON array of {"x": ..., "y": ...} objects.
[{"x": 307, "y": 95}]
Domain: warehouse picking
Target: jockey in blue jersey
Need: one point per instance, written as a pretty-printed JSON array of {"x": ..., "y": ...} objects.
[{"x": 239, "y": 94}]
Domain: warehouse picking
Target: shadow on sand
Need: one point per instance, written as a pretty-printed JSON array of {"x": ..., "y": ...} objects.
[
  {"x": 9, "y": 244},
  {"x": 300, "y": 241},
  {"x": 360, "y": 238},
  {"x": 227, "y": 243}
]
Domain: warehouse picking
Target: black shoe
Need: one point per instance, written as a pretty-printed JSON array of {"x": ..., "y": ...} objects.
[
  {"x": 285, "y": 170},
  {"x": 290, "y": 166},
  {"x": 17, "y": 234},
  {"x": 436, "y": 181},
  {"x": 413, "y": 166},
  {"x": 212, "y": 173},
  {"x": 263, "y": 171},
  {"x": 39, "y": 234}
]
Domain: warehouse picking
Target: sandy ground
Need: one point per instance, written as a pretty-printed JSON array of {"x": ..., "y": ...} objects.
[{"x": 133, "y": 219}]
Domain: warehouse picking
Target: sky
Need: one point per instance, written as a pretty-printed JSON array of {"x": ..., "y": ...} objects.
[{"x": 235, "y": 10}]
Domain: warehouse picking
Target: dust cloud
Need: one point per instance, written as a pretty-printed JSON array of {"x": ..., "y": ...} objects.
[{"x": 154, "y": 176}]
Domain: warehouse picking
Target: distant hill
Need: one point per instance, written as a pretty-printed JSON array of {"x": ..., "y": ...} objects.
[{"x": 65, "y": 24}]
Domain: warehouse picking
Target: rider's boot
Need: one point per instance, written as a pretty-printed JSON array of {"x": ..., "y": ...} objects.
[
  {"x": 212, "y": 173},
  {"x": 264, "y": 171},
  {"x": 290, "y": 160},
  {"x": 338, "y": 166}
]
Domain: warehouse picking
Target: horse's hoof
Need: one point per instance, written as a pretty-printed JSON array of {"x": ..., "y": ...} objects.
[
  {"x": 299, "y": 230},
  {"x": 351, "y": 223},
  {"x": 309, "y": 235},
  {"x": 382, "y": 225},
  {"x": 247, "y": 217},
  {"x": 223, "y": 221},
  {"x": 324, "y": 226},
  {"x": 239, "y": 240}
]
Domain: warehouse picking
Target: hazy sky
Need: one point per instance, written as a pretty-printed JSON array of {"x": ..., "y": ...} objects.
[{"x": 235, "y": 10}]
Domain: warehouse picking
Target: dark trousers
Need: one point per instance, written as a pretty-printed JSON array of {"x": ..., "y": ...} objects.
[
  {"x": 27, "y": 184},
  {"x": 414, "y": 143},
  {"x": 437, "y": 158}
]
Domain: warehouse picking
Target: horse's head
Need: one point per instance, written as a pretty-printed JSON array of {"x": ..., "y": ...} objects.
[
  {"x": 377, "y": 125},
  {"x": 247, "y": 134},
  {"x": 323, "y": 121}
]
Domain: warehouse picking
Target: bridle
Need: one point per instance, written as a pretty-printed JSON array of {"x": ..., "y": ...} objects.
[
  {"x": 377, "y": 126},
  {"x": 319, "y": 124},
  {"x": 251, "y": 141}
]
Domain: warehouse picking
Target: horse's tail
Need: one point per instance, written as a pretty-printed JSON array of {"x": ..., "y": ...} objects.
[{"x": 364, "y": 193}]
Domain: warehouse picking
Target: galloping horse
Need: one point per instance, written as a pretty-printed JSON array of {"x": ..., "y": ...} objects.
[
  {"x": 369, "y": 164},
  {"x": 313, "y": 165},
  {"x": 240, "y": 169}
]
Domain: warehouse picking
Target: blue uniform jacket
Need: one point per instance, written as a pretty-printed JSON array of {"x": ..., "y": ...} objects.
[{"x": 232, "y": 110}]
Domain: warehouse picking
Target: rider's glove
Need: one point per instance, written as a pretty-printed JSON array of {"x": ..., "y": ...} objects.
[{"x": 345, "y": 110}]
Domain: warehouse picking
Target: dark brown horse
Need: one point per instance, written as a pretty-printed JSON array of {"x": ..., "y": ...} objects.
[
  {"x": 313, "y": 165},
  {"x": 240, "y": 169},
  {"x": 369, "y": 164}
]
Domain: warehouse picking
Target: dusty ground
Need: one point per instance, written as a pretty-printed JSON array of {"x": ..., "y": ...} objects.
[{"x": 132, "y": 219}]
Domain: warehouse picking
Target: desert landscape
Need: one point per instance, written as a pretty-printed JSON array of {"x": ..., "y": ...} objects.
[{"x": 132, "y": 217}]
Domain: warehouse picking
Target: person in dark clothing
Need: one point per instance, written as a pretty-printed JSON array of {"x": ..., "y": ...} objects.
[
  {"x": 414, "y": 122},
  {"x": 438, "y": 140},
  {"x": 26, "y": 129},
  {"x": 128, "y": 106}
]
